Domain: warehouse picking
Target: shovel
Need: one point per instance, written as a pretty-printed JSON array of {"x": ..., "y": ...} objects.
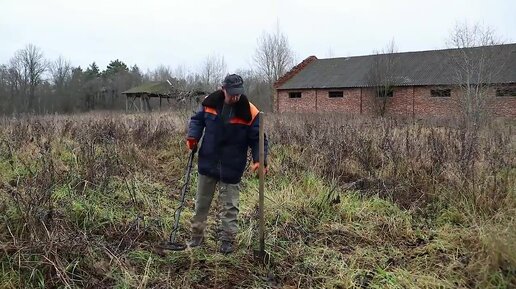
[
  {"x": 261, "y": 255},
  {"x": 172, "y": 244}
]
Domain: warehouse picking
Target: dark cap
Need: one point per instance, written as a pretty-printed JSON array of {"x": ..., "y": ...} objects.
[{"x": 234, "y": 84}]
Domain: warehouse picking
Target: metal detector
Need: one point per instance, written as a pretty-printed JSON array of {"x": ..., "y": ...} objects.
[{"x": 172, "y": 244}]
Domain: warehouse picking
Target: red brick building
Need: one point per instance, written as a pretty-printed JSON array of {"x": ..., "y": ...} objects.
[{"x": 424, "y": 83}]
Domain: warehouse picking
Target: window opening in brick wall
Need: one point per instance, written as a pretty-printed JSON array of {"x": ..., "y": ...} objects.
[
  {"x": 384, "y": 92},
  {"x": 296, "y": 94},
  {"x": 506, "y": 91},
  {"x": 335, "y": 94},
  {"x": 440, "y": 92}
]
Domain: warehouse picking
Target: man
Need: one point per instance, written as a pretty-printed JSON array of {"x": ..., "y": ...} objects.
[{"x": 230, "y": 125}]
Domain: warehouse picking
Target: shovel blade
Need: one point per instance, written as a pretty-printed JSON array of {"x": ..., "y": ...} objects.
[
  {"x": 173, "y": 246},
  {"x": 262, "y": 257}
]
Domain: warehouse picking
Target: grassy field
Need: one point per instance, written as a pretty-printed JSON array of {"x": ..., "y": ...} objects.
[{"x": 350, "y": 203}]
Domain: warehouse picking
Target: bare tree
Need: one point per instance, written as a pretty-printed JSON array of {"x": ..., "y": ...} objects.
[
  {"x": 383, "y": 77},
  {"x": 4, "y": 84},
  {"x": 161, "y": 73},
  {"x": 60, "y": 71},
  {"x": 61, "y": 74},
  {"x": 17, "y": 85},
  {"x": 181, "y": 72},
  {"x": 330, "y": 53},
  {"x": 476, "y": 64},
  {"x": 212, "y": 72},
  {"x": 273, "y": 58},
  {"x": 185, "y": 87},
  {"x": 29, "y": 65}
]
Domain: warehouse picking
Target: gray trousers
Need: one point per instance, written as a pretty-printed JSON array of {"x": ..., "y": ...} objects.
[{"x": 228, "y": 199}]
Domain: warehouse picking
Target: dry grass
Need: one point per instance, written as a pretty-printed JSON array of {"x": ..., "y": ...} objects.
[{"x": 351, "y": 203}]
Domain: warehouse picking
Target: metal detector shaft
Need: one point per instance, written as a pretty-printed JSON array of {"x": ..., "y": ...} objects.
[{"x": 177, "y": 213}]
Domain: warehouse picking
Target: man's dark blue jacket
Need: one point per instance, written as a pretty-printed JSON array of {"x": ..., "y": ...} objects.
[{"x": 223, "y": 152}]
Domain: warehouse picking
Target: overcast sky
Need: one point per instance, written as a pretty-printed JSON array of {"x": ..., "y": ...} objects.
[{"x": 149, "y": 33}]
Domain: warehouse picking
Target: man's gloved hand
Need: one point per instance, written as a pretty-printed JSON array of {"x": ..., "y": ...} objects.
[
  {"x": 256, "y": 165},
  {"x": 191, "y": 143}
]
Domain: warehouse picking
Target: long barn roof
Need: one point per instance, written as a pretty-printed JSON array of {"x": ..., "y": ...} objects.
[{"x": 433, "y": 67}]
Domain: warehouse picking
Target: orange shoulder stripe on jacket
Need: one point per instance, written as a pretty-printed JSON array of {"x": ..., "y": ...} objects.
[
  {"x": 254, "y": 112},
  {"x": 210, "y": 110}
]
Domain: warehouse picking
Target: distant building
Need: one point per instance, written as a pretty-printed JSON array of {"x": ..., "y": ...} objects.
[
  {"x": 425, "y": 83},
  {"x": 139, "y": 98}
]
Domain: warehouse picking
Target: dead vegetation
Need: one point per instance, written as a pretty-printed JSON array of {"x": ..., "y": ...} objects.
[{"x": 351, "y": 203}]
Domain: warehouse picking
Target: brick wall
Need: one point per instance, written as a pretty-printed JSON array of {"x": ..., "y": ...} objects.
[
  {"x": 406, "y": 101},
  {"x": 319, "y": 100},
  {"x": 503, "y": 105},
  {"x": 399, "y": 104},
  {"x": 350, "y": 102},
  {"x": 304, "y": 104},
  {"x": 427, "y": 106}
]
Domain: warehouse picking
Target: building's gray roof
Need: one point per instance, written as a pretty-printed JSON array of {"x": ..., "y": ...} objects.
[{"x": 434, "y": 67}]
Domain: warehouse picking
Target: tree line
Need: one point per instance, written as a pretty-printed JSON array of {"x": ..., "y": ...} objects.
[{"x": 30, "y": 83}]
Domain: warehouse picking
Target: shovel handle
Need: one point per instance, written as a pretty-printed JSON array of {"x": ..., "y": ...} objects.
[{"x": 262, "y": 181}]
